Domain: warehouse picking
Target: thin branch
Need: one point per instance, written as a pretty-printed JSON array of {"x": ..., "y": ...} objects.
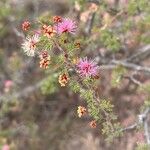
[
  {"x": 131, "y": 127},
  {"x": 131, "y": 66},
  {"x": 36, "y": 8},
  {"x": 133, "y": 80},
  {"x": 143, "y": 53},
  {"x": 146, "y": 130},
  {"x": 89, "y": 24},
  {"x": 142, "y": 119},
  {"x": 94, "y": 1},
  {"x": 18, "y": 33}
]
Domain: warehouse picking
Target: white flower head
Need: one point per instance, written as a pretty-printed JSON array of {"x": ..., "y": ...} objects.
[{"x": 29, "y": 45}]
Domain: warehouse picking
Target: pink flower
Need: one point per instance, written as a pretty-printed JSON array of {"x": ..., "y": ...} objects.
[
  {"x": 67, "y": 25},
  {"x": 87, "y": 67},
  {"x": 5, "y": 147},
  {"x": 38, "y": 32},
  {"x": 7, "y": 85}
]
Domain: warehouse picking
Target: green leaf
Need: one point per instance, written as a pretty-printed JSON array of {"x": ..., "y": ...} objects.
[{"x": 117, "y": 75}]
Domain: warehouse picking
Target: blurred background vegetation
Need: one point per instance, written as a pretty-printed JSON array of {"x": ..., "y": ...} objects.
[{"x": 35, "y": 112}]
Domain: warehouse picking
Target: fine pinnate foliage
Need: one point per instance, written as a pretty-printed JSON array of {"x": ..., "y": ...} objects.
[
  {"x": 49, "y": 86},
  {"x": 142, "y": 147},
  {"x": 117, "y": 75},
  {"x": 109, "y": 40}
]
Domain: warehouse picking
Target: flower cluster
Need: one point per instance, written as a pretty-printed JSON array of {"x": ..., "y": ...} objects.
[
  {"x": 81, "y": 111},
  {"x": 93, "y": 124},
  {"x": 61, "y": 25},
  {"x": 63, "y": 79},
  {"x": 25, "y": 25},
  {"x": 57, "y": 19},
  {"x": 77, "y": 45},
  {"x": 48, "y": 31},
  {"x": 44, "y": 59}
]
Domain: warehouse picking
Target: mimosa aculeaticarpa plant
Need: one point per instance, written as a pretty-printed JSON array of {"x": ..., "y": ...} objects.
[
  {"x": 101, "y": 51},
  {"x": 59, "y": 48},
  {"x": 79, "y": 73}
]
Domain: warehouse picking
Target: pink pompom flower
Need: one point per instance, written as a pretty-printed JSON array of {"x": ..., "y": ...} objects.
[
  {"x": 87, "y": 68},
  {"x": 8, "y": 85},
  {"x": 6, "y": 147},
  {"x": 66, "y": 26}
]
